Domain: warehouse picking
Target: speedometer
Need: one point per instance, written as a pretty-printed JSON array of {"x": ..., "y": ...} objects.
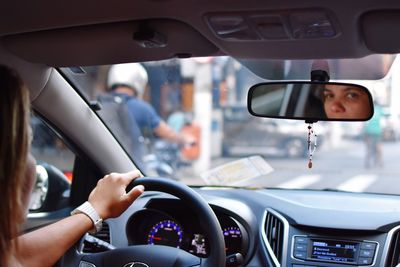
[{"x": 167, "y": 233}]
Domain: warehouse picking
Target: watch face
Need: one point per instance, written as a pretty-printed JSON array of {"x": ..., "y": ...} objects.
[{"x": 97, "y": 226}]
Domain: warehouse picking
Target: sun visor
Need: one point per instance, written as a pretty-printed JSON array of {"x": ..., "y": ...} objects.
[
  {"x": 381, "y": 31},
  {"x": 111, "y": 43}
]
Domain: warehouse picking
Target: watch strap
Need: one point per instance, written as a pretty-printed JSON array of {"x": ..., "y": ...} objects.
[{"x": 87, "y": 209}]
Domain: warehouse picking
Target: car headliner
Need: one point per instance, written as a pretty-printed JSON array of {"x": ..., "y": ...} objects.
[{"x": 71, "y": 33}]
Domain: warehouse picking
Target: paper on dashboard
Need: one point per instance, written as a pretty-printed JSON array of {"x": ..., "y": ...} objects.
[{"x": 237, "y": 172}]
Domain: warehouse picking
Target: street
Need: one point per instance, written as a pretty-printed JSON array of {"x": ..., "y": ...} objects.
[{"x": 341, "y": 168}]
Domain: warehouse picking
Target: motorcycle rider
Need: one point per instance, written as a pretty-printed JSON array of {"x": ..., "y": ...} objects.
[{"x": 130, "y": 80}]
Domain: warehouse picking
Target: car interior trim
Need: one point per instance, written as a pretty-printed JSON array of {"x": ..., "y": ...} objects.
[
  {"x": 388, "y": 242},
  {"x": 285, "y": 237},
  {"x": 35, "y": 76},
  {"x": 55, "y": 92}
]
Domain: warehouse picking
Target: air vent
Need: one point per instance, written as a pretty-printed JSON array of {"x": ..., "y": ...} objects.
[
  {"x": 274, "y": 233},
  {"x": 393, "y": 256},
  {"x": 95, "y": 247},
  {"x": 274, "y": 236}
]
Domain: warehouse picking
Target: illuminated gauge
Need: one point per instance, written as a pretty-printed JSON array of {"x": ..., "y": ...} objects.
[
  {"x": 198, "y": 245},
  {"x": 233, "y": 239},
  {"x": 167, "y": 233}
]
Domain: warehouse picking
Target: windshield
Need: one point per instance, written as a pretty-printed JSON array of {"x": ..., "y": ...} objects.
[{"x": 187, "y": 119}]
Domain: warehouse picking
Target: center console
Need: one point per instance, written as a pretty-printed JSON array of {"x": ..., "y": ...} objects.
[{"x": 327, "y": 250}]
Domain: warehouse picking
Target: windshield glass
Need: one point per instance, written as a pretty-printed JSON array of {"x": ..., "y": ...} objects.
[{"x": 185, "y": 118}]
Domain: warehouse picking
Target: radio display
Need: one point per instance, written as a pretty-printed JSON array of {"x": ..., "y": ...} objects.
[{"x": 334, "y": 250}]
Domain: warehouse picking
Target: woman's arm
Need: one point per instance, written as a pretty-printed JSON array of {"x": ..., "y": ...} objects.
[{"x": 43, "y": 247}]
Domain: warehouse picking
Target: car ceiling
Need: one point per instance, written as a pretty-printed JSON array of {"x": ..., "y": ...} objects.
[{"x": 101, "y": 32}]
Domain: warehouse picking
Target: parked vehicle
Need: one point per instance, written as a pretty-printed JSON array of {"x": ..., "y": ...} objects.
[{"x": 247, "y": 135}]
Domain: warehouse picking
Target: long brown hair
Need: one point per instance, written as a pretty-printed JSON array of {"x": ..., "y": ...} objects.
[{"x": 14, "y": 146}]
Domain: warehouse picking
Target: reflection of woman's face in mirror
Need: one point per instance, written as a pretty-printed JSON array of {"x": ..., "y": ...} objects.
[{"x": 346, "y": 102}]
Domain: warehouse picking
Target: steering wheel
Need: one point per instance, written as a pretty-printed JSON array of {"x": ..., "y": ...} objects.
[{"x": 163, "y": 256}]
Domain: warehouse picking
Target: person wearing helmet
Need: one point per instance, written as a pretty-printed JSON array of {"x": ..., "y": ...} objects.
[{"x": 130, "y": 80}]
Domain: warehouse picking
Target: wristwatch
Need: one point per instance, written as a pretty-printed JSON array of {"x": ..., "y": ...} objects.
[{"x": 87, "y": 209}]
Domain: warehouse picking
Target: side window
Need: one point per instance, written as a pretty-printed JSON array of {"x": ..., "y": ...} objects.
[{"x": 54, "y": 168}]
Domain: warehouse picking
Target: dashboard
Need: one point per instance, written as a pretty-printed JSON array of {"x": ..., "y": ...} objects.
[{"x": 272, "y": 227}]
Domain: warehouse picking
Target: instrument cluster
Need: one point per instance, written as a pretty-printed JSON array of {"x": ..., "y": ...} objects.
[{"x": 170, "y": 223}]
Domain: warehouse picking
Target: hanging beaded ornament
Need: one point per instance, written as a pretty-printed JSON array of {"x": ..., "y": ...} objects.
[{"x": 311, "y": 144}]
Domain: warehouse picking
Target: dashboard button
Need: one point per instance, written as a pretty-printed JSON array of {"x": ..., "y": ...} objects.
[
  {"x": 366, "y": 245},
  {"x": 366, "y": 253},
  {"x": 300, "y": 247},
  {"x": 364, "y": 261},
  {"x": 300, "y": 255},
  {"x": 300, "y": 240}
]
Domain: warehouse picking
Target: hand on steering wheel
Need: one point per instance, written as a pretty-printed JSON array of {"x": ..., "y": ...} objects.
[{"x": 163, "y": 256}]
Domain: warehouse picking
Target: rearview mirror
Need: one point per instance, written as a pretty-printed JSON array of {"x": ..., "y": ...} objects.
[{"x": 311, "y": 101}]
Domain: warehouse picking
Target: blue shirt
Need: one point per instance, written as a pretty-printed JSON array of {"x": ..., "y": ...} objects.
[{"x": 144, "y": 114}]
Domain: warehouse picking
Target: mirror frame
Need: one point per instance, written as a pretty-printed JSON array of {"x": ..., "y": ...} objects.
[{"x": 307, "y": 119}]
